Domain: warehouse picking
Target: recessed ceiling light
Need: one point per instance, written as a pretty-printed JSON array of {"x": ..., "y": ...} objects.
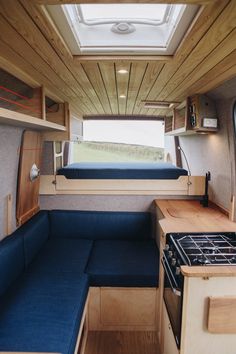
[
  {"x": 123, "y": 71},
  {"x": 122, "y": 96}
]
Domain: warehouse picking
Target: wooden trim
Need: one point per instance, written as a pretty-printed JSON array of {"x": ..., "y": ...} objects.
[
  {"x": 209, "y": 272},
  {"x": 222, "y": 314},
  {"x": 9, "y": 215},
  {"x": 133, "y": 58},
  {"x": 122, "y": 117},
  {"x": 20, "y": 119},
  {"x": 122, "y": 187},
  {"x": 60, "y": 2},
  {"x": 83, "y": 325},
  {"x": 21, "y": 220}
]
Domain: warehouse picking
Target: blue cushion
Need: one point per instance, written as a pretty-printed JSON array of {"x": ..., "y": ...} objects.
[
  {"x": 43, "y": 313},
  {"x": 11, "y": 260},
  {"x": 124, "y": 263},
  {"x": 62, "y": 255},
  {"x": 122, "y": 170},
  {"x": 35, "y": 233},
  {"x": 100, "y": 225}
]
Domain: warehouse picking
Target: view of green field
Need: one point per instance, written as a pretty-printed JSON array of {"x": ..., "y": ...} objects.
[{"x": 115, "y": 152}]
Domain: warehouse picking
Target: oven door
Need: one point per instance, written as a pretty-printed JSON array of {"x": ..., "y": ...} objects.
[{"x": 173, "y": 298}]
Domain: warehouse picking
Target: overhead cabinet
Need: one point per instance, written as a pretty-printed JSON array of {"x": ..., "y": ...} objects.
[
  {"x": 22, "y": 105},
  {"x": 197, "y": 114}
]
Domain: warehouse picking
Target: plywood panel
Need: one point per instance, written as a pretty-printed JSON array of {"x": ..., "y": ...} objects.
[
  {"x": 222, "y": 314},
  {"x": 27, "y": 190}
]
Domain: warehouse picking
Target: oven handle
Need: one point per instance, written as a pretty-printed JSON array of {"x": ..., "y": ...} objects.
[{"x": 175, "y": 291}]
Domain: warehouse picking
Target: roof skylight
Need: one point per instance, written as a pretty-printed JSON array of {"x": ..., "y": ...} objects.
[{"x": 123, "y": 28}]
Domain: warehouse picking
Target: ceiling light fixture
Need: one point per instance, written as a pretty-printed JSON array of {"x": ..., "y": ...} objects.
[
  {"x": 122, "y": 71},
  {"x": 122, "y": 96},
  {"x": 159, "y": 104}
]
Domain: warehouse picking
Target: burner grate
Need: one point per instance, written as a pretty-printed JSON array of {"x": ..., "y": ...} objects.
[{"x": 211, "y": 249}]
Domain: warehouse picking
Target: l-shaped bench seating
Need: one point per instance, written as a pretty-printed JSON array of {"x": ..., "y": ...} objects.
[{"x": 48, "y": 264}]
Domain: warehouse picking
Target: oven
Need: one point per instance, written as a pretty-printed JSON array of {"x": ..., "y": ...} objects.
[
  {"x": 173, "y": 295},
  {"x": 191, "y": 249}
]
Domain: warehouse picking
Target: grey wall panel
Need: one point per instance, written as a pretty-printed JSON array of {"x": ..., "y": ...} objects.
[
  {"x": 211, "y": 153},
  {"x": 10, "y": 140}
]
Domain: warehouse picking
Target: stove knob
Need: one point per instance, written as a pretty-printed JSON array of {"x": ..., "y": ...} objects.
[
  {"x": 167, "y": 247},
  {"x": 170, "y": 254},
  {"x": 177, "y": 270},
  {"x": 173, "y": 262}
]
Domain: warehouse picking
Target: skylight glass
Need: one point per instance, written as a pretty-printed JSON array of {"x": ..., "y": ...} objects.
[
  {"x": 119, "y": 11},
  {"x": 123, "y": 28}
]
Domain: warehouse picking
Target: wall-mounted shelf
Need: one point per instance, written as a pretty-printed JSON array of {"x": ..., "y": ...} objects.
[
  {"x": 20, "y": 119},
  {"x": 195, "y": 115}
]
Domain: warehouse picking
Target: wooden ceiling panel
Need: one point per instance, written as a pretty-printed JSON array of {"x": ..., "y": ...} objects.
[
  {"x": 151, "y": 74},
  {"x": 93, "y": 73},
  {"x": 219, "y": 30},
  {"x": 36, "y": 52},
  {"x": 108, "y": 73},
  {"x": 137, "y": 72},
  {"x": 122, "y": 85}
]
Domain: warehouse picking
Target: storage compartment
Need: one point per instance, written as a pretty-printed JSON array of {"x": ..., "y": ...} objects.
[{"x": 123, "y": 309}]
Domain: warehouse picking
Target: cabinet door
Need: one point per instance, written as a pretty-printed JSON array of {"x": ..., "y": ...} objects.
[{"x": 169, "y": 344}]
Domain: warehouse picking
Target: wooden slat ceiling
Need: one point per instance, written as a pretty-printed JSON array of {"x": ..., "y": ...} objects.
[{"x": 32, "y": 49}]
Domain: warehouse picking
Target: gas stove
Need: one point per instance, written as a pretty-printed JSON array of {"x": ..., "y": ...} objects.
[{"x": 201, "y": 249}]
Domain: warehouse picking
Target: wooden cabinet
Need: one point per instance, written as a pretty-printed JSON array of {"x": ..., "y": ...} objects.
[
  {"x": 123, "y": 309},
  {"x": 169, "y": 344},
  {"x": 197, "y": 114}
]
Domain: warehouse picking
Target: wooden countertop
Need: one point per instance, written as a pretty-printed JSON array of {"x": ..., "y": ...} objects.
[{"x": 190, "y": 216}]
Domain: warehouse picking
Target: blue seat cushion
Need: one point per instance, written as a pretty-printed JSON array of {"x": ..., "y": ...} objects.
[
  {"x": 100, "y": 225},
  {"x": 124, "y": 263},
  {"x": 43, "y": 313},
  {"x": 62, "y": 256},
  {"x": 12, "y": 262},
  {"x": 35, "y": 233}
]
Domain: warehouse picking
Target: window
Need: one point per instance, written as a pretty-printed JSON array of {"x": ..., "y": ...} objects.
[
  {"x": 122, "y": 28},
  {"x": 120, "y": 141}
]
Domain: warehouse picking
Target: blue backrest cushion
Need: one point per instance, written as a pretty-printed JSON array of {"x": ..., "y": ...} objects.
[
  {"x": 11, "y": 260},
  {"x": 35, "y": 233},
  {"x": 97, "y": 225}
]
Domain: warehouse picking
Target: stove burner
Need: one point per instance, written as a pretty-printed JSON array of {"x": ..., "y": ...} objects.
[
  {"x": 201, "y": 260},
  {"x": 208, "y": 249}
]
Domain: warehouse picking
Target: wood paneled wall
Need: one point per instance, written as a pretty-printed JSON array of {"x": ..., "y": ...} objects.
[{"x": 32, "y": 48}]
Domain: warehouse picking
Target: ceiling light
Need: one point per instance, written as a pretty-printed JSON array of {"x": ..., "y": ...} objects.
[
  {"x": 159, "y": 104},
  {"x": 123, "y": 71},
  {"x": 122, "y": 96}
]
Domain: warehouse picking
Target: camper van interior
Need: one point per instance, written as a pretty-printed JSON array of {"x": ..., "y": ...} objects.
[{"x": 118, "y": 176}]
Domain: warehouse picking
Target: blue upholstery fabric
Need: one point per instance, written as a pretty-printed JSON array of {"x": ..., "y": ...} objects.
[
  {"x": 11, "y": 260},
  {"x": 100, "y": 225},
  {"x": 129, "y": 170},
  {"x": 35, "y": 233},
  {"x": 45, "y": 314},
  {"x": 124, "y": 263},
  {"x": 62, "y": 256}
]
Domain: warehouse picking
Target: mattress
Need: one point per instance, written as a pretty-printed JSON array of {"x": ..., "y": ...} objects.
[{"x": 124, "y": 170}]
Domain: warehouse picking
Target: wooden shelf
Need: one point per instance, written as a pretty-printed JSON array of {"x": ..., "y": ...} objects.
[{"x": 20, "y": 119}]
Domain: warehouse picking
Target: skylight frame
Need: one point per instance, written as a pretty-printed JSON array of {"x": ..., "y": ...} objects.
[
  {"x": 107, "y": 42},
  {"x": 94, "y": 22}
]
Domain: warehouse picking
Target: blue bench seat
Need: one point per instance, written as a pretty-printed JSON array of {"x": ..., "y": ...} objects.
[
  {"x": 123, "y": 263},
  {"x": 48, "y": 264},
  {"x": 45, "y": 314}
]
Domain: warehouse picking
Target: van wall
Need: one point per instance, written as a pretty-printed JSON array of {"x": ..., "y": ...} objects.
[
  {"x": 10, "y": 140},
  {"x": 213, "y": 153}
]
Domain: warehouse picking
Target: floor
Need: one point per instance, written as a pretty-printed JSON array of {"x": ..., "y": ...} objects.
[{"x": 122, "y": 343}]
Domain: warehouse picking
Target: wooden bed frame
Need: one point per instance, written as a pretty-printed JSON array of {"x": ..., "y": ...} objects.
[{"x": 183, "y": 186}]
